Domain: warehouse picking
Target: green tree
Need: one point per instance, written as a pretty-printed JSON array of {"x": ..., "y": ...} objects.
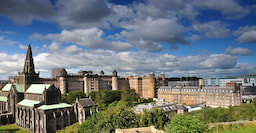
[
  {"x": 71, "y": 97},
  {"x": 106, "y": 96},
  {"x": 155, "y": 117},
  {"x": 109, "y": 120},
  {"x": 186, "y": 124},
  {"x": 129, "y": 95}
]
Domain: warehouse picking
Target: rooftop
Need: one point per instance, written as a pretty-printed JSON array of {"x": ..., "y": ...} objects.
[
  {"x": 54, "y": 106},
  {"x": 166, "y": 106},
  {"x": 3, "y": 99},
  {"x": 86, "y": 102},
  {"x": 37, "y": 88},
  {"x": 28, "y": 103},
  {"x": 17, "y": 87}
]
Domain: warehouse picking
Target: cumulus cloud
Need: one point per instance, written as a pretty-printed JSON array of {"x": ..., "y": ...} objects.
[
  {"x": 239, "y": 51},
  {"x": 23, "y": 47},
  {"x": 229, "y": 8},
  {"x": 248, "y": 37},
  {"x": 10, "y": 64},
  {"x": 4, "y": 41},
  {"x": 25, "y": 11},
  {"x": 212, "y": 29},
  {"x": 126, "y": 62},
  {"x": 149, "y": 34},
  {"x": 246, "y": 34},
  {"x": 90, "y": 38},
  {"x": 77, "y": 13}
]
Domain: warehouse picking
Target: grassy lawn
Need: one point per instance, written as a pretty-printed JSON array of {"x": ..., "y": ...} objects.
[
  {"x": 12, "y": 129},
  {"x": 246, "y": 130},
  {"x": 235, "y": 128}
]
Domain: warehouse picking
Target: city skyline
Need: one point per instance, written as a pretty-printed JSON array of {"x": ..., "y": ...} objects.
[{"x": 180, "y": 38}]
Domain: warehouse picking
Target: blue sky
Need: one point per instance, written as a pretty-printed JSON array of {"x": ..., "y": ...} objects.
[{"x": 203, "y": 38}]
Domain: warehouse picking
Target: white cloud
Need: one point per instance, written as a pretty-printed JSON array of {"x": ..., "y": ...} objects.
[
  {"x": 126, "y": 62},
  {"x": 149, "y": 34},
  {"x": 4, "y": 41},
  {"x": 248, "y": 37},
  {"x": 246, "y": 34},
  {"x": 90, "y": 38},
  {"x": 25, "y": 11},
  {"x": 82, "y": 13},
  {"x": 23, "y": 47},
  {"x": 212, "y": 29},
  {"x": 229, "y": 8},
  {"x": 239, "y": 51},
  {"x": 10, "y": 64}
]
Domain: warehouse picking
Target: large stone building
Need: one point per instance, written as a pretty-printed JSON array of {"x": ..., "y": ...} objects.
[
  {"x": 212, "y": 96},
  {"x": 36, "y": 106},
  {"x": 147, "y": 87},
  {"x": 87, "y": 81},
  {"x": 168, "y": 108}
]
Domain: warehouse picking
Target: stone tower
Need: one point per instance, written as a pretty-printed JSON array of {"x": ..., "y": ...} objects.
[
  {"x": 63, "y": 82},
  {"x": 114, "y": 80},
  {"x": 162, "y": 75},
  {"x": 152, "y": 81},
  {"x": 28, "y": 76}
]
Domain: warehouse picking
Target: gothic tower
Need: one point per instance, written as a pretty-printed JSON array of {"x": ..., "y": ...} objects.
[{"x": 28, "y": 76}]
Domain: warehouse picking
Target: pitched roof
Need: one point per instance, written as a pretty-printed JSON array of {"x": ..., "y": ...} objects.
[
  {"x": 28, "y": 103},
  {"x": 7, "y": 87},
  {"x": 86, "y": 102},
  {"x": 54, "y": 106},
  {"x": 17, "y": 87},
  {"x": 37, "y": 88},
  {"x": 3, "y": 99}
]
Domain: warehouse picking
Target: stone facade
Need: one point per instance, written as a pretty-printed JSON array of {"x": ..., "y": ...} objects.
[
  {"x": 167, "y": 107},
  {"x": 86, "y": 81},
  {"x": 34, "y": 105},
  {"x": 83, "y": 108},
  {"x": 147, "y": 87},
  {"x": 212, "y": 96}
]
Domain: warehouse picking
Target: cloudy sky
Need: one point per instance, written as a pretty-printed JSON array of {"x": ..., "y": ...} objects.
[{"x": 205, "y": 38}]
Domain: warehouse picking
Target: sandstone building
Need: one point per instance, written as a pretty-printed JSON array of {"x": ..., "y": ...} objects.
[
  {"x": 34, "y": 105},
  {"x": 212, "y": 96},
  {"x": 147, "y": 87}
]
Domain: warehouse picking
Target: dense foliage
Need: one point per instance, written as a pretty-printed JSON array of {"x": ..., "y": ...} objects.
[
  {"x": 186, "y": 124},
  {"x": 155, "y": 117},
  {"x": 129, "y": 95},
  {"x": 106, "y": 96},
  {"x": 109, "y": 120},
  {"x": 119, "y": 115},
  {"x": 71, "y": 97},
  {"x": 233, "y": 113}
]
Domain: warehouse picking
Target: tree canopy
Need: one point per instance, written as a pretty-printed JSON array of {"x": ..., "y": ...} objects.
[
  {"x": 71, "y": 97},
  {"x": 109, "y": 120},
  {"x": 186, "y": 124}
]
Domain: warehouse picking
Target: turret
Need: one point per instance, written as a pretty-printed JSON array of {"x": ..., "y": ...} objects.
[{"x": 114, "y": 80}]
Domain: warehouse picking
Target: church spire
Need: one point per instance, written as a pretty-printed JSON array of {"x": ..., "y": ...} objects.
[
  {"x": 29, "y": 63},
  {"x": 29, "y": 52}
]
